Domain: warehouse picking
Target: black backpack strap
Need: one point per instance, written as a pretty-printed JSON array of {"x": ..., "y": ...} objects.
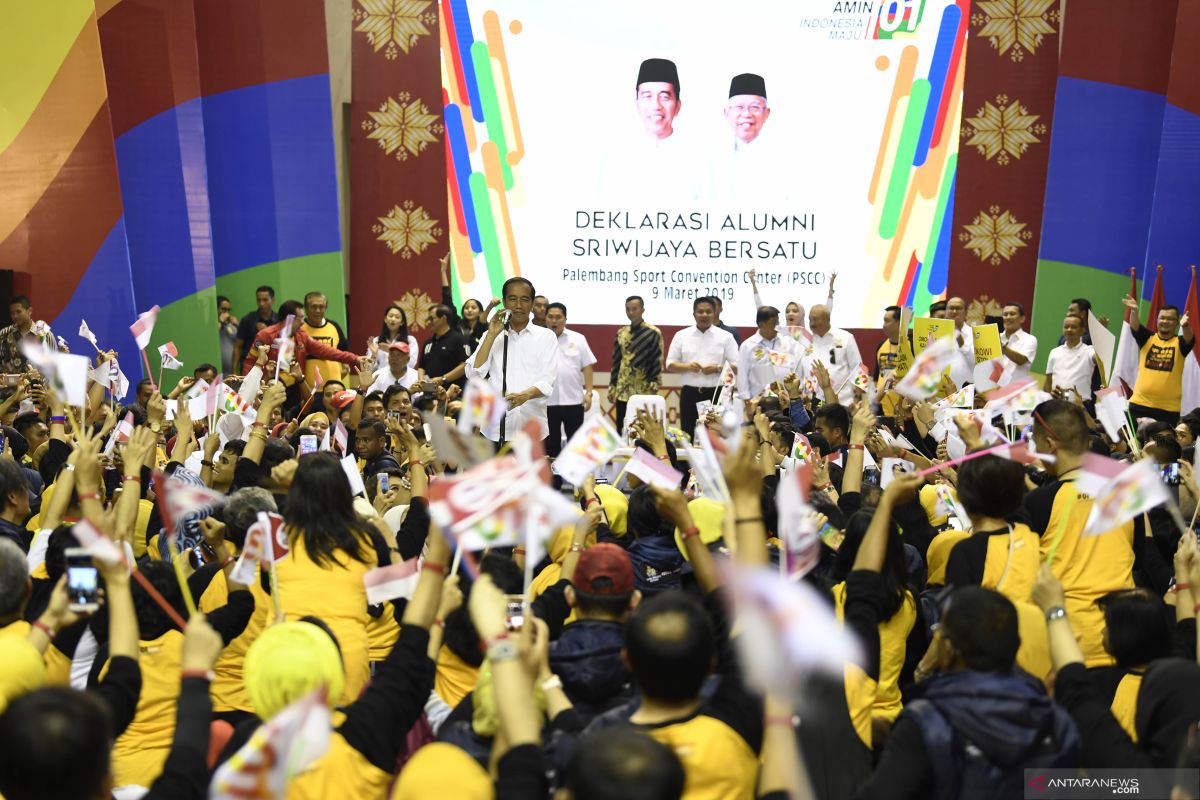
[{"x": 940, "y": 747}]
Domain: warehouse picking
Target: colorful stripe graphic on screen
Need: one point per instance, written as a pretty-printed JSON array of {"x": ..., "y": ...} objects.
[
  {"x": 484, "y": 146},
  {"x": 912, "y": 186}
]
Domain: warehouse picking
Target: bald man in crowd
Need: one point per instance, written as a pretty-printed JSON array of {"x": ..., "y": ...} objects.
[{"x": 835, "y": 349}]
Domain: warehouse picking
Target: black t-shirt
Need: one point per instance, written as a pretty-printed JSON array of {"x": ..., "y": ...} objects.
[
  {"x": 443, "y": 353},
  {"x": 251, "y": 324}
]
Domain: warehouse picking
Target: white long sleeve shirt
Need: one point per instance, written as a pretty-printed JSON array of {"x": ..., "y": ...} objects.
[
  {"x": 1023, "y": 343},
  {"x": 712, "y": 347},
  {"x": 756, "y": 370},
  {"x": 838, "y": 351},
  {"x": 532, "y": 362}
]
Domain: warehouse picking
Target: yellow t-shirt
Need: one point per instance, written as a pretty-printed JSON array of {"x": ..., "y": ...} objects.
[
  {"x": 326, "y": 334},
  {"x": 1012, "y": 563},
  {"x": 337, "y": 595},
  {"x": 1124, "y": 703},
  {"x": 228, "y": 690},
  {"x": 341, "y": 772},
  {"x": 893, "y": 638},
  {"x": 1089, "y": 567},
  {"x": 1160, "y": 379},
  {"x": 717, "y": 762},
  {"x": 141, "y": 751}
]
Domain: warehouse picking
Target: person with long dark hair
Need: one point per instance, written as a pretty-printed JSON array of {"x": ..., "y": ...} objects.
[
  {"x": 395, "y": 329},
  {"x": 331, "y": 548}
]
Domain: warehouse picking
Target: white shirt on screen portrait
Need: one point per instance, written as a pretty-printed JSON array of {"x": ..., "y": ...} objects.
[
  {"x": 838, "y": 351},
  {"x": 650, "y": 171},
  {"x": 384, "y": 379},
  {"x": 1023, "y": 343},
  {"x": 755, "y": 369},
  {"x": 712, "y": 347},
  {"x": 532, "y": 361},
  {"x": 752, "y": 174},
  {"x": 573, "y": 356},
  {"x": 1072, "y": 368}
]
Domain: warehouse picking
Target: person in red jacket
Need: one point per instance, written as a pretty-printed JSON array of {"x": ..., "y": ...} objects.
[{"x": 305, "y": 345}]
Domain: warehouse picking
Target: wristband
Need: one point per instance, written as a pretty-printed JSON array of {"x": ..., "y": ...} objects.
[
  {"x": 228, "y": 560},
  {"x": 58, "y": 420},
  {"x": 204, "y": 463},
  {"x": 88, "y": 496},
  {"x": 259, "y": 425},
  {"x": 44, "y": 628},
  {"x": 689, "y": 533},
  {"x": 137, "y": 478},
  {"x": 854, "y": 447},
  {"x": 552, "y": 683},
  {"x": 206, "y": 674},
  {"x": 434, "y": 567},
  {"x": 412, "y": 463},
  {"x": 441, "y": 623},
  {"x": 590, "y": 502},
  {"x": 781, "y": 719},
  {"x": 518, "y": 551},
  {"x": 1180, "y": 587}
]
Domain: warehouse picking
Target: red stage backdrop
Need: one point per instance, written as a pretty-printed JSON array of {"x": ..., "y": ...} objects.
[
  {"x": 397, "y": 165},
  {"x": 1008, "y": 106}
]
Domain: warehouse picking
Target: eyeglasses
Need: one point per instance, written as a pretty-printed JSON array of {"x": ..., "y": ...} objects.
[{"x": 754, "y": 109}]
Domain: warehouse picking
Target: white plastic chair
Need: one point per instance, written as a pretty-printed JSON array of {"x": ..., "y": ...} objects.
[{"x": 656, "y": 403}]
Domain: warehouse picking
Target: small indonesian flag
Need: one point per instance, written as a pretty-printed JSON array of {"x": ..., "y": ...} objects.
[
  {"x": 341, "y": 438},
  {"x": 653, "y": 471},
  {"x": 391, "y": 582},
  {"x": 87, "y": 334},
  {"x": 169, "y": 356},
  {"x": 144, "y": 327},
  {"x": 100, "y": 546}
]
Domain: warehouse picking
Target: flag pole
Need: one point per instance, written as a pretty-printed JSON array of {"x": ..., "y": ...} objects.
[{"x": 149, "y": 372}]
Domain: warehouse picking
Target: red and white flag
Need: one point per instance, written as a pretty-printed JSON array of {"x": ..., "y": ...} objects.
[
  {"x": 593, "y": 444},
  {"x": 797, "y": 528},
  {"x": 391, "y": 582},
  {"x": 341, "y": 438},
  {"x": 1111, "y": 410},
  {"x": 120, "y": 434},
  {"x": 144, "y": 327},
  {"x": 169, "y": 356},
  {"x": 318, "y": 379},
  {"x": 1134, "y": 490},
  {"x": 278, "y": 750},
  {"x": 100, "y": 546},
  {"x": 1126, "y": 363},
  {"x": 178, "y": 499},
  {"x": 482, "y": 408},
  {"x": 653, "y": 471}
]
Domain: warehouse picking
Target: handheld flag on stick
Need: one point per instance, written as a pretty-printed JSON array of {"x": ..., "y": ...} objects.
[
  {"x": 1135, "y": 490},
  {"x": 1126, "y": 362},
  {"x": 87, "y": 334},
  {"x": 925, "y": 374},
  {"x": 142, "y": 329},
  {"x": 593, "y": 444}
]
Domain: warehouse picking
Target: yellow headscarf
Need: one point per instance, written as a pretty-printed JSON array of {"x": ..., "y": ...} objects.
[
  {"x": 289, "y": 661},
  {"x": 616, "y": 507},
  {"x": 709, "y": 516}
]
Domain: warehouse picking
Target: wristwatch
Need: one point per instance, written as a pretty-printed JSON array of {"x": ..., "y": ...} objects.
[
  {"x": 503, "y": 649},
  {"x": 1055, "y": 612},
  {"x": 156, "y": 427}
]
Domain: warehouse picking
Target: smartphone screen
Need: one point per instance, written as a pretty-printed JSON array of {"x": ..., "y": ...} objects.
[
  {"x": 308, "y": 444},
  {"x": 515, "y": 613},
  {"x": 83, "y": 580},
  {"x": 1170, "y": 474},
  {"x": 382, "y": 477}
]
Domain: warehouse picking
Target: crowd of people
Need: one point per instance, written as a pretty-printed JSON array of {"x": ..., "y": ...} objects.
[{"x": 995, "y": 633}]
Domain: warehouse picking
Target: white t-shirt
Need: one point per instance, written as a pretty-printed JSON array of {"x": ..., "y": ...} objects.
[
  {"x": 1023, "y": 343},
  {"x": 573, "y": 356},
  {"x": 713, "y": 347},
  {"x": 1072, "y": 368}
]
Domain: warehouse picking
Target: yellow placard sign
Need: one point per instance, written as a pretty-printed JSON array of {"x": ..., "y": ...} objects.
[
  {"x": 926, "y": 329},
  {"x": 987, "y": 343}
]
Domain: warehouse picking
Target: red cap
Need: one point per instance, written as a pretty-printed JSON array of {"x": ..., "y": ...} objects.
[
  {"x": 343, "y": 398},
  {"x": 401, "y": 346},
  {"x": 607, "y": 565}
]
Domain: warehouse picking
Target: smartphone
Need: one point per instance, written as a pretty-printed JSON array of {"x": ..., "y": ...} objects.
[
  {"x": 427, "y": 386},
  {"x": 83, "y": 580},
  {"x": 514, "y": 615},
  {"x": 308, "y": 444},
  {"x": 382, "y": 478},
  {"x": 396, "y": 415},
  {"x": 200, "y": 555},
  {"x": 10, "y": 380},
  {"x": 1170, "y": 473}
]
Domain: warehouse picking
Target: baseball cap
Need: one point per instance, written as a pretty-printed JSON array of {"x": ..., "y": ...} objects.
[
  {"x": 607, "y": 565},
  {"x": 401, "y": 346},
  {"x": 343, "y": 398}
]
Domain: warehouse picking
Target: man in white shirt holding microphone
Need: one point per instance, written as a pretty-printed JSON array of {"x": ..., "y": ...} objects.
[
  {"x": 698, "y": 353},
  {"x": 519, "y": 359}
]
